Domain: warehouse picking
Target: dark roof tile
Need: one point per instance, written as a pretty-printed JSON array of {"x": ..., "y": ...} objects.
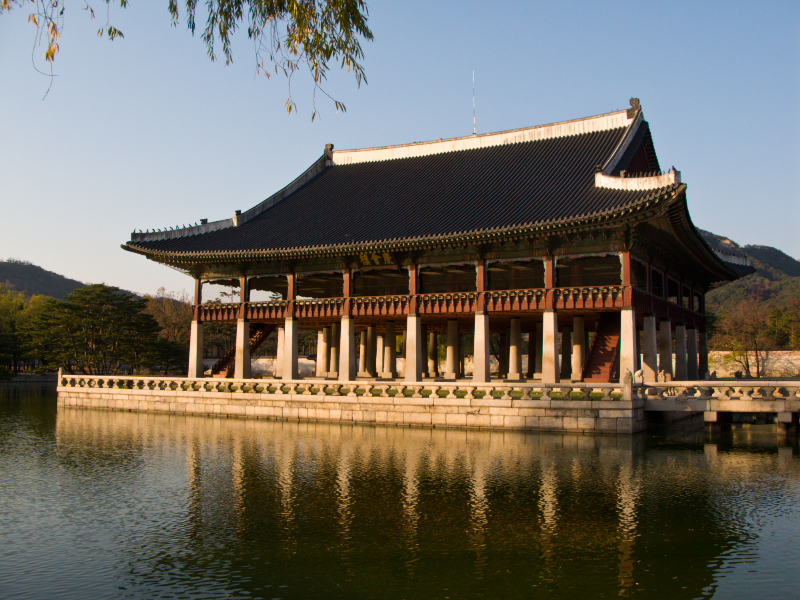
[{"x": 456, "y": 192}]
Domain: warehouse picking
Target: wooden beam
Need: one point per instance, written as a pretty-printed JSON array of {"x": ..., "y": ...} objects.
[
  {"x": 198, "y": 298},
  {"x": 626, "y": 267}
]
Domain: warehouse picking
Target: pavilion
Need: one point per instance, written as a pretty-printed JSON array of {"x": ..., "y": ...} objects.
[{"x": 569, "y": 233}]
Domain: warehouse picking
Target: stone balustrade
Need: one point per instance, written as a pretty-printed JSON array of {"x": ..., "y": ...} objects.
[
  {"x": 583, "y": 407},
  {"x": 753, "y": 396},
  {"x": 606, "y": 408}
]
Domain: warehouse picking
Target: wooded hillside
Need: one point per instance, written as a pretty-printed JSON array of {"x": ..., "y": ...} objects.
[{"x": 22, "y": 276}]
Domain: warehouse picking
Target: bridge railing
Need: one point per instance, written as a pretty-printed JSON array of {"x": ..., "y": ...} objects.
[{"x": 764, "y": 395}]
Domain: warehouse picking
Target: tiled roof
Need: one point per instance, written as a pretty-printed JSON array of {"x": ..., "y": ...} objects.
[{"x": 443, "y": 193}]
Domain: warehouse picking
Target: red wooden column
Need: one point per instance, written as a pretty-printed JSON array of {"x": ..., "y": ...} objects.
[
  {"x": 198, "y": 298},
  {"x": 242, "y": 361},
  {"x": 550, "y": 359},
  {"x": 196, "y": 333},
  {"x": 628, "y": 333},
  {"x": 347, "y": 339},
  {"x": 415, "y": 346},
  {"x": 290, "y": 332},
  {"x": 244, "y": 296},
  {"x": 480, "y": 358}
]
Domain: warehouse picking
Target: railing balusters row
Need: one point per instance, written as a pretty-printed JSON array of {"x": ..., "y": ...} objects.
[{"x": 530, "y": 300}]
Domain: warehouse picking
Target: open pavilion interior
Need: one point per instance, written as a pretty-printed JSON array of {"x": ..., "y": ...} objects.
[{"x": 568, "y": 235}]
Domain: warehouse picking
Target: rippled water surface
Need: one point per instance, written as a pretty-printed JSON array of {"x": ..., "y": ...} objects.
[{"x": 97, "y": 504}]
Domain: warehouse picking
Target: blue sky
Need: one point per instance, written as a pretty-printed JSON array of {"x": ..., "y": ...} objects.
[{"x": 146, "y": 132}]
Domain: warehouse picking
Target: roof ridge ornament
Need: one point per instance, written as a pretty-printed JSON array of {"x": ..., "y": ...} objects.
[{"x": 635, "y": 106}]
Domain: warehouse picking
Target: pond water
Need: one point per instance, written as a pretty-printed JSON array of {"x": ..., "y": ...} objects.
[{"x": 98, "y": 504}]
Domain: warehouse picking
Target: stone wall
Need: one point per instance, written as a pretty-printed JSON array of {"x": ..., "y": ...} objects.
[{"x": 606, "y": 415}]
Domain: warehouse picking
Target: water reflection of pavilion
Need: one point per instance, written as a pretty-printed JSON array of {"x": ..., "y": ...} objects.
[{"x": 435, "y": 509}]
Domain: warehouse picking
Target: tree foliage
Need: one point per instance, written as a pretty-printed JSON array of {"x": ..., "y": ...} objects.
[
  {"x": 746, "y": 332},
  {"x": 97, "y": 330},
  {"x": 287, "y": 35},
  {"x": 16, "y": 309}
]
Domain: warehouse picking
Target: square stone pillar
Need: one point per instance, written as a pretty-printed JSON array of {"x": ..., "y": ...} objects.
[
  {"x": 379, "y": 344},
  {"x": 461, "y": 345},
  {"x": 702, "y": 354},
  {"x": 347, "y": 350},
  {"x": 451, "y": 362},
  {"x": 290, "y": 370},
  {"x": 627, "y": 342},
  {"x": 566, "y": 353},
  {"x": 480, "y": 358},
  {"x": 502, "y": 355},
  {"x": 371, "y": 351},
  {"x": 362, "y": 354},
  {"x": 414, "y": 349},
  {"x": 680, "y": 353},
  {"x": 389, "y": 355},
  {"x": 323, "y": 351},
  {"x": 550, "y": 370},
  {"x": 578, "y": 347},
  {"x": 333, "y": 352},
  {"x": 241, "y": 368},
  {"x": 665, "y": 349},
  {"x": 196, "y": 369},
  {"x": 515, "y": 350},
  {"x": 279, "y": 353},
  {"x": 538, "y": 346},
  {"x": 649, "y": 349},
  {"x": 433, "y": 355},
  {"x": 691, "y": 354}
]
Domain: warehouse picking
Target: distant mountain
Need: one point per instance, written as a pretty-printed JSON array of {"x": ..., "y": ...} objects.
[
  {"x": 777, "y": 275},
  {"x": 22, "y": 276}
]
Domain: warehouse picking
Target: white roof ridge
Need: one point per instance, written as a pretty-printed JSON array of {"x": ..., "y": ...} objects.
[{"x": 604, "y": 122}]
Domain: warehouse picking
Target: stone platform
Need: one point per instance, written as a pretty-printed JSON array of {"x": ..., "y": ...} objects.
[{"x": 595, "y": 408}]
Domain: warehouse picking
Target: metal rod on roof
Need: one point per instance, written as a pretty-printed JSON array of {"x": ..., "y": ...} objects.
[{"x": 473, "y": 102}]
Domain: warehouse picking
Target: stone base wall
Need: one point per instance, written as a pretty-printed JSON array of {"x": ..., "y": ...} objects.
[{"x": 588, "y": 416}]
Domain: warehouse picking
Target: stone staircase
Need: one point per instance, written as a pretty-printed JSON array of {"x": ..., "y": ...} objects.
[
  {"x": 225, "y": 366},
  {"x": 602, "y": 362}
]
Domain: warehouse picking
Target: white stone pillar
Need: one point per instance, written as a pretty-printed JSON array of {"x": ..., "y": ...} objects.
[
  {"x": 370, "y": 366},
  {"x": 323, "y": 351},
  {"x": 362, "y": 354},
  {"x": 578, "y": 347},
  {"x": 433, "y": 355},
  {"x": 665, "y": 348},
  {"x": 649, "y": 349},
  {"x": 242, "y": 366},
  {"x": 680, "y": 353},
  {"x": 414, "y": 349},
  {"x": 335, "y": 340},
  {"x": 389, "y": 352},
  {"x": 347, "y": 350},
  {"x": 627, "y": 342},
  {"x": 538, "y": 346},
  {"x": 550, "y": 370},
  {"x": 380, "y": 342},
  {"x": 691, "y": 354},
  {"x": 480, "y": 358},
  {"x": 515, "y": 349},
  {"x": 451, "y": 365},
  {"x": 290, "y": 370},
  {"x": 279, "y": 353},
  {"x": 196, "y": 369},
  {"x": 566, "y": 353},
  {"x": 702, "y": 354}
]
